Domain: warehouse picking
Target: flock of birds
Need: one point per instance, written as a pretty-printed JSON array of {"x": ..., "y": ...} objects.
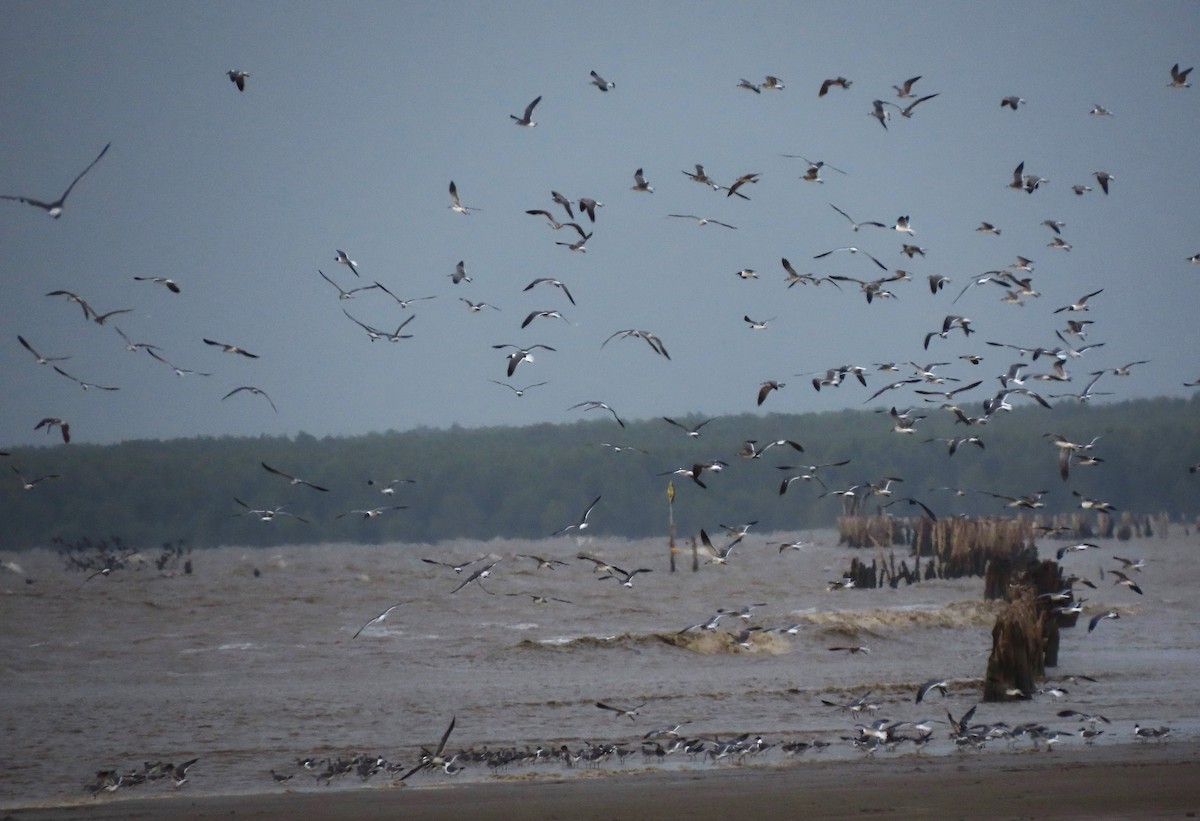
[{"x": 933, "y": 387}]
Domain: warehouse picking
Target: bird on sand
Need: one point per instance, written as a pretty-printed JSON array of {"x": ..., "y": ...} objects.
[{"x": 55, "y": 208}]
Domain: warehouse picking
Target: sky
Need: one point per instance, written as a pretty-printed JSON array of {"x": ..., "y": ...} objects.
[{"x": 356, "y": 117}]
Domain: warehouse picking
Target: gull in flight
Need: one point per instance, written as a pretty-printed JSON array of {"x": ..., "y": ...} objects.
[
  {"x": 233, "y": 349},
  {"x": 82, "y": 384},
  {"x": 702, "y": 220},
  {"x": 852, "y": 250},
  {"x": 904, "y": 90},
  {"x": 41, "y": 360},
  {"x": 49, "y": 423},
  {"x": 378, "y": 619},
  {"x": 403, "y": 303},
  {"x": 478, "y": 576},
  {"x": 373, "y": 513},
  {"x": 455, "y": 204},
  {"x": 653, "y": 341},
  {"x": 1103, "y": 178},
  {"x": 344, "y": 294},
  {"x": 836, "y": 81},
  {"x": 344, "y": 259},
  {"x": 581, "y": 525},
  {"x": 170, "y": 284},
  {"x": 436, "y": 758},
  {"x": 520, "y": 355},
  {"x": 749, "y": 86},
  {"x": 375, "y": 333},
  {"x": 879, "y": 113},
  {"x": 476, "y": 307},
  {"x": 640, "y": 184},
  {"x": 1012, "y": 102},
  {"x": 526, "y": 119},
  {"x": 30, "y": 484},
  {"x": 907, "y": 111},
  {"x": 855, "y": 225},
  {"x": 459, "y": 274},
  {"x": 519, "y": 391},
  {"x": 550, "y": 281},
  {"x": 701, "y": 177},
  {"x": 457, "y": 568},
  {"x": 292, "y": 479},
  {"x": 55, "y": 208},
  {"x": 632, "y": 712},
  {"x": 594, "y": 405},
  {"x": 693, "y": 432},
  {"x": 600, "y": 83},
  {"x": 238, "y": 78},
  {"x": 766, "y": 387},
  {"x": 1079, "y": 304},
  {"x": 1179, "y": 78},
  {"x": 253, "y": 390},
  {"x": 150, "y": 349},
  {"x": 265, "y": 515}
]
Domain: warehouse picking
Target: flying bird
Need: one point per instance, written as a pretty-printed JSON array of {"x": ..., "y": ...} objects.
[
  {"x": 170, "y": 284},
  {"x": 82, "y": 383},
  {"x": 632, "y": 712},
  {"x": 703, "y": 220},
  {"x": 378, "y": 619},
  {"x": 41, "y": 360},
  {"x": 594, "y": 405},
  {"x": 582, "y": 524},
  {"x": 55, "y": 208},
  {"x": 1179, "y": 78},
  {"x": 640, "y": 184},
  {"x": 292, "y": 479},
  {"x": 455, "y": 204},
  {"x": 526, "y": 119},
  {"x": 233, "y": 349},
  {"x": 49, "y": 423},
  {"x": 436, "y": 758},
  {"x": 600, "y": 83},
  {"x": 842, "y": 82},
  {"x": 550, "y": 281},
  {"x": 253, "y": 390},
  {"x": 343, "y": 258},
  {"x": 238, "y": 78}
]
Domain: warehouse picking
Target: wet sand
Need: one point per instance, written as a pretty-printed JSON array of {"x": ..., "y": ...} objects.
[{"x": 1118, "y": 781}]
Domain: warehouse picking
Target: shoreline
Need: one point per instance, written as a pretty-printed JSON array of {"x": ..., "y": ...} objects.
[{"x": 1127, "y": 780}]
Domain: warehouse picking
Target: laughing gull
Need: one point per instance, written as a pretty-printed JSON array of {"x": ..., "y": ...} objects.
[
  {"x": 238, "y": 78},
  {"x": 526, "y": 119},
  {"x": 55, "y": 208}
]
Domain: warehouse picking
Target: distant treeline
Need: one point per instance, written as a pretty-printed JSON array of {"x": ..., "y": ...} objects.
[{"x": 528, "y": 482}]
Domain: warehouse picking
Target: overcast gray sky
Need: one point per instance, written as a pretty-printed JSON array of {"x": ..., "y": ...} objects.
[{"x": 356, "y": 117}]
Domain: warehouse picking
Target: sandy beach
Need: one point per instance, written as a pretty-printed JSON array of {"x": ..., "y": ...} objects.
[{"x": 1117, "y": 781}]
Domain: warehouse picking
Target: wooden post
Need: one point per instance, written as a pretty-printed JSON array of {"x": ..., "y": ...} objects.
[{"x": 671, "y": 520}]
